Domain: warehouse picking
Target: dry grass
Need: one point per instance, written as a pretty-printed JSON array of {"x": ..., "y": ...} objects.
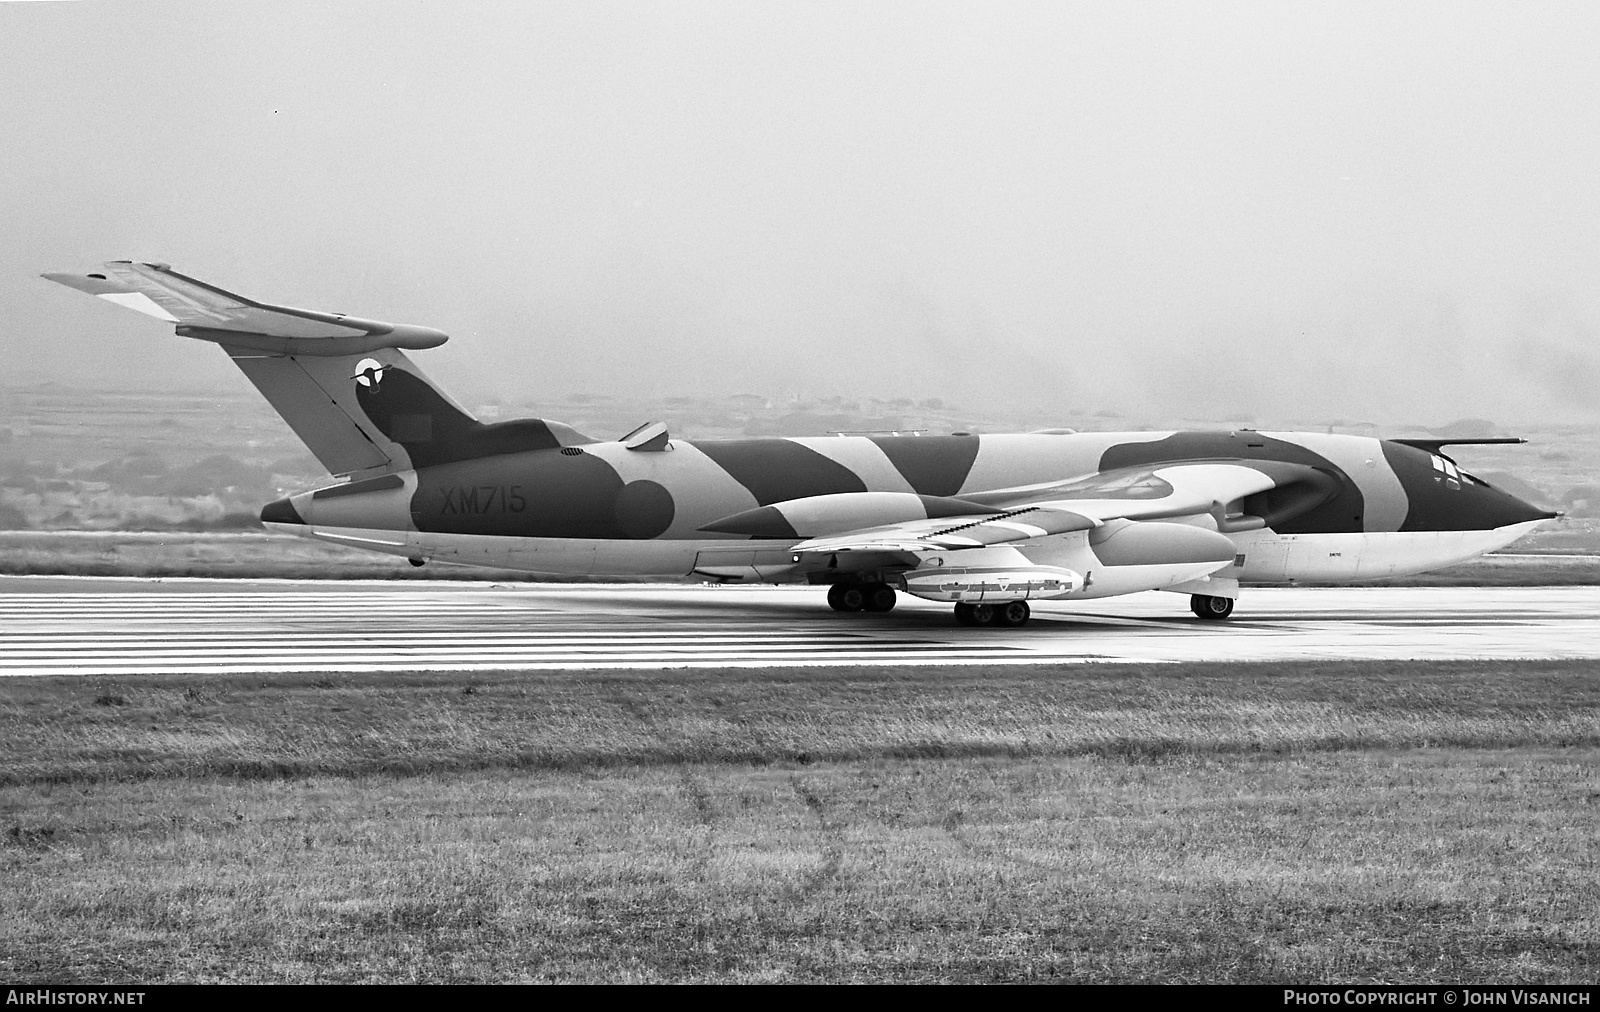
[
  {"x": 1510, "y": 571},
  {"x": 1256, "y": 823},
  {"x": 236, "y": 555},
  {"x": 91, "y": 729},
  {"x": 1435, "y": 865}
]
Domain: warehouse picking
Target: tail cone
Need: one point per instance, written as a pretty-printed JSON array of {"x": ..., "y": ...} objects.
[{"x": 280, "y": 511}]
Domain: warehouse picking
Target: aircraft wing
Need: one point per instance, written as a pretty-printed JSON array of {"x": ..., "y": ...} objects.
[
  {"x": 1160, "y": 491},
  {"x": 951, "y": 533},
  {"x": 1223, "y": 489},
  {"x": 209, "y": 313}
]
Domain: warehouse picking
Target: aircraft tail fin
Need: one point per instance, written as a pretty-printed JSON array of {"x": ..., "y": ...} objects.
[
  {"x": 344, "y": 384},
  {"x": 326, "y": 400}
]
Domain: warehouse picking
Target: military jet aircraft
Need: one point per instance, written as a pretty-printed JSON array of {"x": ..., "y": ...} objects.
[{"x": 984, "y": 522}]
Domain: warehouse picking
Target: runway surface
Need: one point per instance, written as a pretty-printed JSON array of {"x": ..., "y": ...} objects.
[{"x": 81, "y": 626}]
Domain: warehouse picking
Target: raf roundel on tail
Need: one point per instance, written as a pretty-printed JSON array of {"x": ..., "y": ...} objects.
[
  {"x": 986, "y": 523},
  {"x": 369, "y": 373}
]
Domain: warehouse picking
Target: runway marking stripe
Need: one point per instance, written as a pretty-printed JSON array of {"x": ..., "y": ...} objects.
[
  {"x": 502, "y": 663},
  {"x": 255, "y": 606},
  {"x": 584, "y": 664},
  {"x": 463, "y": 629},
  {"x": 82, "y": 656},
  {"x": 402, "y": 636},
  {"x": 222, "y": 633},
  {"x": 35, "y": 654},
  {"x": 317, "y": 663}
]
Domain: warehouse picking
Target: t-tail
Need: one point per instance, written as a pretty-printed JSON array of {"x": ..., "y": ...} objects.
[{"x": 344, "y": 384}]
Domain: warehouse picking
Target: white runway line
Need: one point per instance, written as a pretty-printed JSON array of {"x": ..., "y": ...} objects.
[
  {"x": 126, "y": 633},
  {"x": 55, "y": 627}
]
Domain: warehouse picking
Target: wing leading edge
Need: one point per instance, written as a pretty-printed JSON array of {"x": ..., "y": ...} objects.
[{"x": 1158, "y": 492}]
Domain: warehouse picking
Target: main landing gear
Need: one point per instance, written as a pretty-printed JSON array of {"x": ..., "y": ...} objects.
[
  {"x": 879, "y": 597},
  {"x": 1011, "y": 614},
  {"x": 1212, "y": 609}
]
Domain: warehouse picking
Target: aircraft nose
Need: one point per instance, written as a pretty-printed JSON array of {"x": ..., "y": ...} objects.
[
  {"x": 280, "y": 511},
  {"x": 1441, "y": 497},
  {"x": 1526, "y": 511},
  {"x": 1482, "y": 506}
]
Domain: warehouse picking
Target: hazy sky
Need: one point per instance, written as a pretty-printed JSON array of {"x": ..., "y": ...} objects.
[{"x": 1386, "y": 211}]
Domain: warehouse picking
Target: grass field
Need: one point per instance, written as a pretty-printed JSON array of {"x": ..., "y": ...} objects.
[
  {"x": 1328, "y": 821},
  {"x": 228, "y": 555}
]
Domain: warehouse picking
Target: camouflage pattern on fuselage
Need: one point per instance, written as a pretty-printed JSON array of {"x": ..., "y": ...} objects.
[
  {"x": 523, "y": 480},
  {"x": 965, "y": 518}
]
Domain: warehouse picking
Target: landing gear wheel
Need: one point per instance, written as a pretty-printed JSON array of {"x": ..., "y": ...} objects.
[
  {"x": 846, "y": 597},
  {"x": 1212, "y": 609},
  {"x": 1012, "y": 614},
  {"x": 878, "y": 597},
  {"x": 975, "y": 614}
]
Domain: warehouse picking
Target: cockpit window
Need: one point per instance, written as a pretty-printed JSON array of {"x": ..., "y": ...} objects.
[
  {"x": 1448, "y": 472},
  {"x": 1452, "y": 476}
]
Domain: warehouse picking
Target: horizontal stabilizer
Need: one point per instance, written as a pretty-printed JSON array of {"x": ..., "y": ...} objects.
[
  {"x": 208, "y": 313},
  {"x": 342, "y": 383}
]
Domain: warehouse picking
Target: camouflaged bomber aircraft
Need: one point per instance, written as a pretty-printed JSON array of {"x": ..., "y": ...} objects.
[{"x": 987, "y": 522}]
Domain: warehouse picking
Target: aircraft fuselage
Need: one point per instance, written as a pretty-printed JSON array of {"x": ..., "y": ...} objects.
[
  {"x": 984, "y": 522},
  {"x": 1386, "y": 508}
]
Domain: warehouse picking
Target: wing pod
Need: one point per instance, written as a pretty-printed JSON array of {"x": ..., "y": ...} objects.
[
  {"x": 996, "y": 583},
  {"x": 1132, "y": 543}
]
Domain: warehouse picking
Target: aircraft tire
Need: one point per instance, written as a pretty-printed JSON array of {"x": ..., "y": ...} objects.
[
  {"x": 1210, "y": 608},
  {"x": 846, "y": 597},
  {"x": 1012, "y": 614},
  {"x": 981, "y": 615},
  {"x": 879, "y": 597}
]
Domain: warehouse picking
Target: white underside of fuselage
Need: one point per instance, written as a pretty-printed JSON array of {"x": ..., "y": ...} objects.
[
  {"x": 1267, "y": 557},
  {"x": 1263, "y": 557}
]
